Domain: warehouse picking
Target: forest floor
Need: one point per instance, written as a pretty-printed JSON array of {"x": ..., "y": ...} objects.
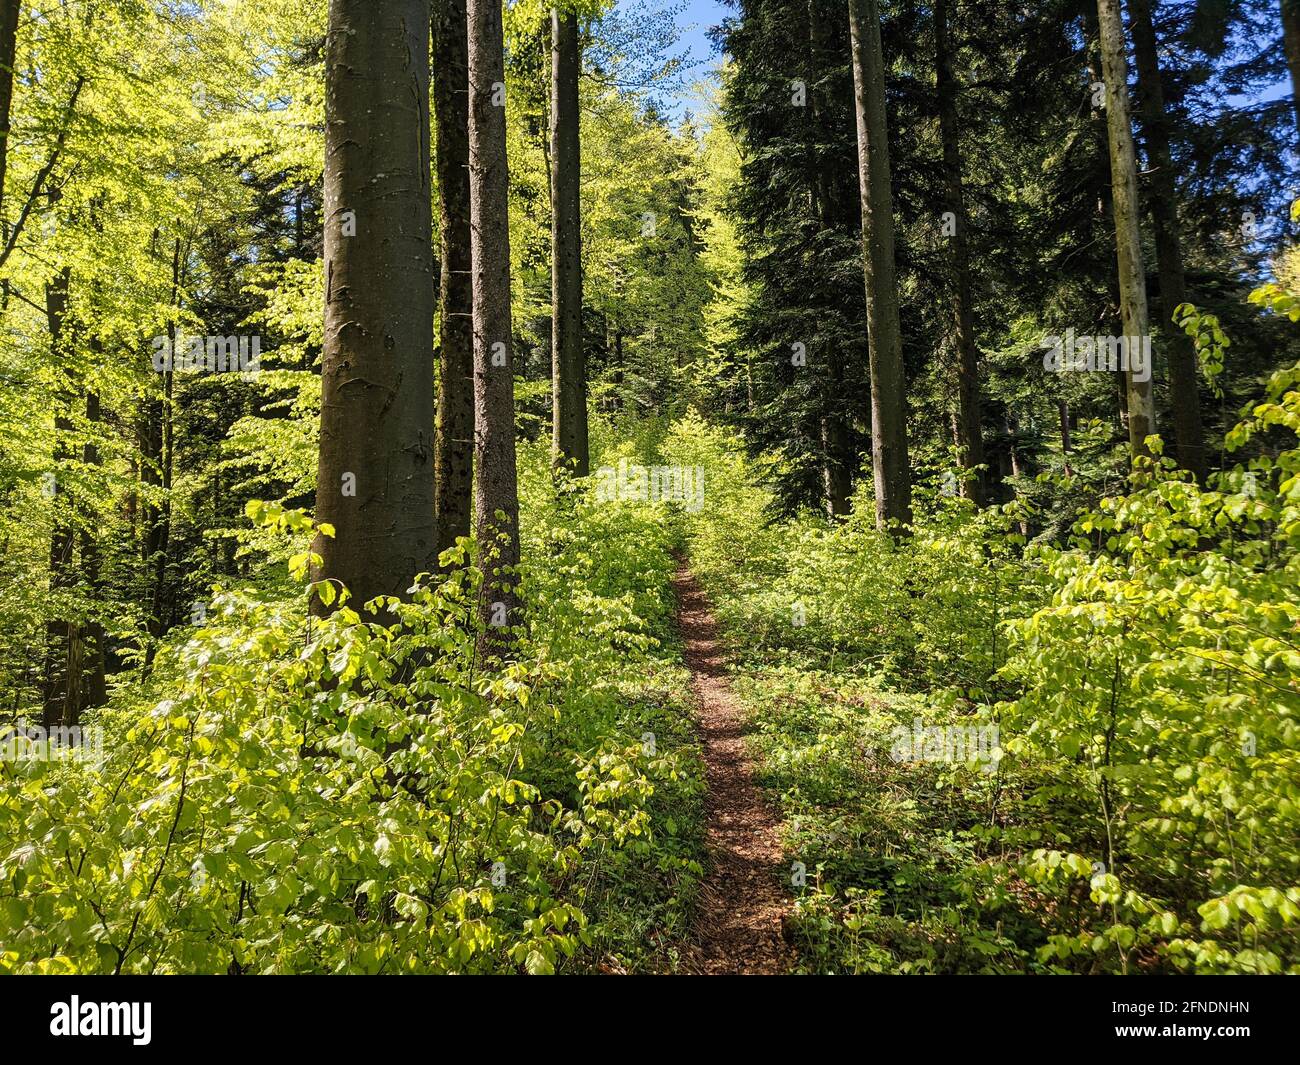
[{"x": 741, "y": 917}]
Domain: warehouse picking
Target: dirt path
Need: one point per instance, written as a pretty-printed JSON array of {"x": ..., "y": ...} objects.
[{"x": 739, "y": 928}]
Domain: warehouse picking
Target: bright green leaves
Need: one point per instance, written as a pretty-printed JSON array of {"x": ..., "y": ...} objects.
[
  {"x": 335, "y": 795},
  {"x": 1209, "y": 339}
]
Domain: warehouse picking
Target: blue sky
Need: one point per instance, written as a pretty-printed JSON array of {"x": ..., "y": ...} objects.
[{"x": 696, "y": 20}]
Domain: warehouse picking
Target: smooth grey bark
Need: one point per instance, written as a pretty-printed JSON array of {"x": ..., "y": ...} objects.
[
  {"x": 376, "y": 476},
  {"x": 1124, "y": 200},
  {"x": 888, "y": 389},
  {"x": 569, "y": 444},
  {"x": 970, "y": 438},
  {"x": 454, "y": 428},
  {"x": 1184, "y": 389},
  {"x": 496, "y": 490}
]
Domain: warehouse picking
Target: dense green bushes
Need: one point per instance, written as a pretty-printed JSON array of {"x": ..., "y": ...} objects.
[
  {"x": 1144, "y": 682},
  {"x": 285, "y": 795},
  {"x": 334, "y": 796},
  {"x": 1162, "y": 687}
]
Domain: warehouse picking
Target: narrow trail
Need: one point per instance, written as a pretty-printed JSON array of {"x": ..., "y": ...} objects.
[{"x": 739, "y": 927}]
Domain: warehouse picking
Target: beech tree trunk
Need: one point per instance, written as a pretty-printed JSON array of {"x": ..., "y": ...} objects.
[
  {"x": 888, "y": 388},
  {"x": 970, "y": 440},
  {"x": 9, "y": 13},
  {"x": 569, "y": 445},
  {"x": 496, "y": 492},
  {"x": 1184, "y": 389},
  {"x": 376, "y": 475},
  {"x": 454, "y": 431},
  {"x": 1124, "y": 198}
]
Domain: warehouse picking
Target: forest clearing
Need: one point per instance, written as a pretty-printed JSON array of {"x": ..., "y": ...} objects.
[{"x": 638, "y": 487}]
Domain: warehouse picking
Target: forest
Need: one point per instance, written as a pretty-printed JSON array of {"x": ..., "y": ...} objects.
[{"x": 649, "y": 487}]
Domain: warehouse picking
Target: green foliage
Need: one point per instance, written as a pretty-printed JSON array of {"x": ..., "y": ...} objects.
[
  {"x": 1162, "y": 681},
  {"x": 842, "y": 594},
  {"x": 330, "y": 795},
  {"x": 1144, "y": 678}
]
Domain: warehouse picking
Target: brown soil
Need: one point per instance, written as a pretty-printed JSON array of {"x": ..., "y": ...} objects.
[{"x": 742, "y": 909}]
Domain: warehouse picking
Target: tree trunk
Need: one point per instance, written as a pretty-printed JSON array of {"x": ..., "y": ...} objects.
[
  {"x": 837, "y": 459},
  {"x": 454, "y": 431},
  {"x": 162, "y": 449},
  {"x": 496, "y": 492},
  {"x": 1124, "y": 197},
  {"x": 970, "y": 440},
  {"x": 163, "y": 516},
  {"x": 1184, "y": 390},
  {"x": 61, "y": 687},
  {"x": 569, "y": 445},
  {"x": 96, "y": 682},
  {"x": 837, "y": 485},
  {"x": 618, "y": 370},
  {"x": 376, "y": 478},
  {"x": 9, "y": 12},
  {"x": 1063, "y": 414},
  {"x": 888, "y": 389},
  {"x": 1291, "y": 41}
]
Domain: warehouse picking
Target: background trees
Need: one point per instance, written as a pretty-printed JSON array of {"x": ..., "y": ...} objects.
[{"x": 722, "y": 270}]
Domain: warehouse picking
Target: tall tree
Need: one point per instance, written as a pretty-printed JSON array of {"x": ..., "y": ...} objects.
[
  {"x": 568, "y": 361},
  {"x": 1291, "y": 41},
  {"x": 160, "y": 459},
  {"x": 970, "y": 439},
  {"x": 91, "y": 563},
  {"x": 797, "y": 363},
  {"x": 1124, "y": 203},
  {"x": 496, "y": 490},
  {"x": 9, "y": 13},
  {"x": 838, "y": 458},
  {"x": 454, "y": 430},
  {"x": 375, "y": 473},
  {"x": 888, "y": 389},
  {"x": 61, "y": 694},
  {"x": 1184, "y": 392}
]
